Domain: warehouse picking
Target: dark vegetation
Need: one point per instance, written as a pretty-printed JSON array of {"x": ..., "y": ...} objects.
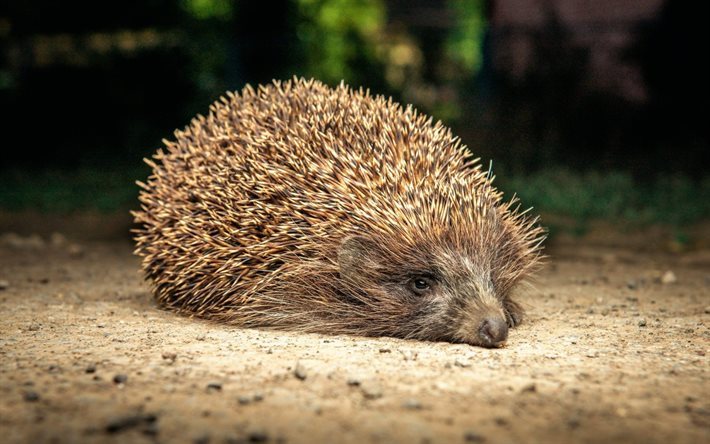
[{"x": 88, "y": 89}]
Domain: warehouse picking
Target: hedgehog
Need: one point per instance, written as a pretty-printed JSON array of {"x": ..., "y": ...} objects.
[{"x": 331, "y": 210}]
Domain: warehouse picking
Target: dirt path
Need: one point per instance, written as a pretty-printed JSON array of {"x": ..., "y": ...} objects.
[{"x": 610, "y": 353}]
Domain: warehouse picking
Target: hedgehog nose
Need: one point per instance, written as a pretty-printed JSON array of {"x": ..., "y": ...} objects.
[{"x": 493, "y": 332}]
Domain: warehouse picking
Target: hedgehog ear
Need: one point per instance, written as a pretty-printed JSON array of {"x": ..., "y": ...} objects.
[{"x": 357, "y": 257}]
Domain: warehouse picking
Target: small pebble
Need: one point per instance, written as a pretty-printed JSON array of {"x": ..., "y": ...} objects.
[
  {"x": 202, "y": 439},
  {"x": 257, "y": 436},
  {"x": 91, "y": 368},
  {"x": 642, "y": 322},
  {"x": 300, "y": 372},
  {"x": 34, "y": 326},
  {"x": 462, "y": 363},
  {"x": 668, "y": 278},
  {"x": 244, "y": 400},
  {"x": 4, "y": 284},
  {"x": 632, "y": 284},
  {"x": 170, "y": 356},
  {"x": 123, "y": 423},
  {"x": 385, "y": 350},
  {"x": 57, "y": 239},
  {"x": 529, "y": 388},
  {"x": 707, "y": 309},
  {"x": 473, "y": 437},
  {"x": 412, "y": 404},
  {"x": 75, "y": 250},
  {"x": 151, "y": 429},
  {"x": 120, "y": 378},
  {"x": 371, "y": 389},
  {"x": 214, "y": 386},
  {"x": 30, "y": 396},
  {"x": 353, "y": 382}
]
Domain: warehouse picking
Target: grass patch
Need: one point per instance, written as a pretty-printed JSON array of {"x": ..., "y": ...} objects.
[
  {"x": 672, "y": 200},
  {"x": 59, "y": 191}
]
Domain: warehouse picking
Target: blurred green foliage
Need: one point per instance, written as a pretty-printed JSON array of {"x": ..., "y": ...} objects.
[
  {"x": 614, "y": 196},
  {"x": 464, "y": 42},
  {"x": 209, "y": 9},
  {"x": 336, "y": 33},
  {"x": 61, "y": 191}
]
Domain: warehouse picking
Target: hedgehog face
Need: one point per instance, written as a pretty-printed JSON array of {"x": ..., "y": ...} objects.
[{"x": 438, "y": 294}]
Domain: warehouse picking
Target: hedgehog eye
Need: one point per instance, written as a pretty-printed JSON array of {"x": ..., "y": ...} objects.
[{"x": 421, "y": 284}]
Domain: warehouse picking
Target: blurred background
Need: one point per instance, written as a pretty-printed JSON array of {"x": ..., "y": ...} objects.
[{"x": 588, "y": 109}]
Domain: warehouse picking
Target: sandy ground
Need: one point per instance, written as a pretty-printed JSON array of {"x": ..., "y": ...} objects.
[{"x": 615, "y": 349}]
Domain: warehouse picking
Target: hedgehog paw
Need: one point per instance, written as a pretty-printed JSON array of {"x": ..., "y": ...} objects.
[{"x": 513, "y": 313}]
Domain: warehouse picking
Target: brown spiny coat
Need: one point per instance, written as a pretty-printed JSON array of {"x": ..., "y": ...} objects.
[{"x": 298, "y": 206}]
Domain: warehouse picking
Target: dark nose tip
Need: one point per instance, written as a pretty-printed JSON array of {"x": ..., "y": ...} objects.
[{"x": 493, "y": 332}]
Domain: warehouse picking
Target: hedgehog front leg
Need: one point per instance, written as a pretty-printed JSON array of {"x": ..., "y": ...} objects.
[{"x": 513, "y": 312}]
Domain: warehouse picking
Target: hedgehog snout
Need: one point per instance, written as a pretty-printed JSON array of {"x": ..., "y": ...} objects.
[{"x": 493, "y": 331}]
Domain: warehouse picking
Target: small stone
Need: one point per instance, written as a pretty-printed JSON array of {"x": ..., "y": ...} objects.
[
  {"x": 707, "y": 309},
  {"x": 91, "y": 368},
  {"x": 632, "y": 284},
  {"x": 31, "y": 396},
  {"x": 214, "y": 386},
  {"x": 642, "y": 322},
  {"x": 471, "y": 436},
  {"x": 75, "y": 250},
  {"x": 371, "y": 389},
  {"x": 353, "y": 381},
  {"x": 668, "y": 278},
  {"x": 120, "y": 378},
  {"x": 385, "y": 350},
  {"x": 300, "y": 372},
  {"x": 412, "y": 404},
  {"x": 462, "y": 363},
  {"x": 257, "y": 397},
  {"x": 123, "y": 423},
  {"x": 257, "y": 436},
  {"x": 244, "y": 400},
  {"x": 202, "y": 439},
  {"x": 169, "y": 356},
  {"x": 529, "y": 388},
  {"x": 35, "y": 326},
  {"x": 57, "y": 239},
  {"x": 151, "y": 429},
  {"x": 4, "y": 284}
]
